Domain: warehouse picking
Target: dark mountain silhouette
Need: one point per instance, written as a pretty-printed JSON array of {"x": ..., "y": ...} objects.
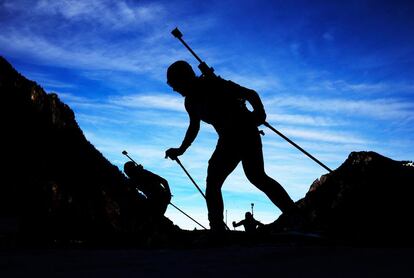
[
  {"x": 367, "y": 200},
  {"x": 54, "y": 183}
]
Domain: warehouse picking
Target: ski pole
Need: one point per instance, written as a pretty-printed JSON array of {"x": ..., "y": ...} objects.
[
  {"x": 188, "y": 175},
  {"x": 187, "y": 215},
  {"x": 195, "y": 184},
  {"x": 297, "y": 146}
]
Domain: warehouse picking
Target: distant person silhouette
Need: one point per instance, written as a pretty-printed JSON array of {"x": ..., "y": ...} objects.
[
  {"x": 249, "y": 223},
  {"x": 221, "y": 103},
  {"x": 155, "y": 188}
]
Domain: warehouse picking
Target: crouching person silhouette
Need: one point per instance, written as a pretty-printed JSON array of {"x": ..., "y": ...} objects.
[
  {"x": 221, "y": 103},
  {"x": 249, "y": 223},
  {"x": 155, "y": 188}
]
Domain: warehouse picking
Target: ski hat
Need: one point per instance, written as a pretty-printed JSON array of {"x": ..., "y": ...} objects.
[
  {"x": 131, "y": 166},
  {"x": 179, "y": 71}
]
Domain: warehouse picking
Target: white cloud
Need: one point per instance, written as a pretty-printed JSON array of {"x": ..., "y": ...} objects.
[
  {"x": 113, "y": 146},
  {"x": 74, "y": 99},
  {"x": 300, "y": 119},
  {"x": 364, "y": 87},
  {"x": 78, "y": 54},
  {"x": 123, "y": 36},
  {"x": 150, "y": 101},
  {"x": 251, "y": 80},
  {"x": 78, "y": 102},
  {"x": 137, "y": 45},
  {"x": 112, "y": 14},
  {"x": 376, "y": 108},
  {"x": 130, "y": 111},
  {"x": 68, "y": 9},
  {"x": 47, "y": 81},
  {"x": 98, "y": 120},
  {"x": 323, "y": 136}
]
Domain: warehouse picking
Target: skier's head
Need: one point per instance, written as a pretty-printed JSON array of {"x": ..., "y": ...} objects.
[
  {"x": 180, "y": 76},
  {"x": 248, "y": 215},
  {"x": 130, "y": 167}
]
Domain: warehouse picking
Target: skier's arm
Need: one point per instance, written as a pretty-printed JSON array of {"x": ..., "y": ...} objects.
[
  {"x": 258, "y": 223},
  {"x": 161, "y": 181},
  {"x": 157, "y": 179},
  {"x": 190, "y": 135},
  {"x": 258, "y": 109},
  {"x": 237, "y": 224},
  {"x": 165, "y": 184},
  {"x": 253, "y": 98}
]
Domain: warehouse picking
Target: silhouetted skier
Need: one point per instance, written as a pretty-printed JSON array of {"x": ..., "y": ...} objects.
[
  {"x": 221, "y": 103},
  {"x": 155, "y": 188},
  {"x": 249, "y": 223}
]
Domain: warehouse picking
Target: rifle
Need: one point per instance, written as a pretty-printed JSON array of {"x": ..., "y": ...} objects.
[{"x": 204, "y": 68}]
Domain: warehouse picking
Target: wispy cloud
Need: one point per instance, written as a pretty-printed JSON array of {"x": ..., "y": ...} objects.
[
  {"x": 79, "y": 102},
  {"x": 376, "y": 108},
  {"x": 150, "y": 101},
  {"x": 130, "y": 111},
  {"x": 323, "y": 136},
  {"x": 256, "y": 80},
  {"x": 98, "y": 120},
  {"x": 148, "y": 153},
  {"x": 106, "y": 35},
  {"x": 301, "y": 119},
  {"x": 109, "y": 13},
  {"x": 79, "y": 55},
  {"x": 48, "y": 81},
  {"x": 365, "y": 88}
]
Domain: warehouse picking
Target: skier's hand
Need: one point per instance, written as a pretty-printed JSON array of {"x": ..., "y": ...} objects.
[
  {"x": 234, "y": 223},
  {"x": 173, "y": 153},
  {"x": 259, "y": 116}
]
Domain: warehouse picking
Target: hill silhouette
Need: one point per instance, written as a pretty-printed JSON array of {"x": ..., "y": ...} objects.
[
  {"x": 367, "y": 200},
  {"x": 55, "y": 183}
]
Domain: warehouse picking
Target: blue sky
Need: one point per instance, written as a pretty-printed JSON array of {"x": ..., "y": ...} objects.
[{"x": 335, "y": 76}]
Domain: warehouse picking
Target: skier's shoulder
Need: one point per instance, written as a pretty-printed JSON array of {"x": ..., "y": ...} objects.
[
  {"x": 231, "y": 86},
  {"x": 207, "y": 82},
  {"x": 147, "y": 174}
]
